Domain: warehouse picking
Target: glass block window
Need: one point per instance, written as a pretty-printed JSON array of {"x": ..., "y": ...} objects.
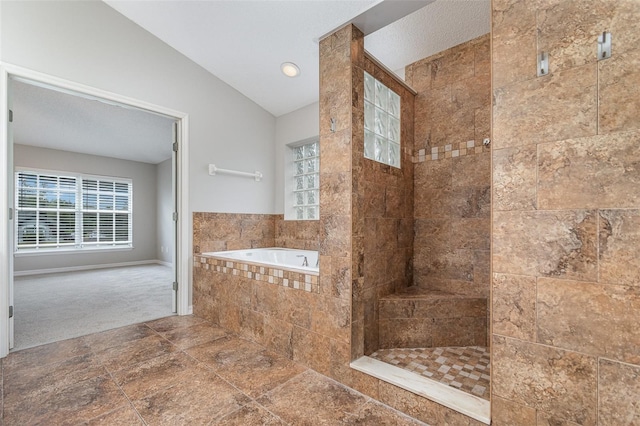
[
  {"x": 71, "y": 212},
  {"x": 381, "y": 122},
  {"x": 306, "y": 181}
]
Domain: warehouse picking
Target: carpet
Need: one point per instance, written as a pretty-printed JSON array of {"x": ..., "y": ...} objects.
[{"x": 53, "y": 307}]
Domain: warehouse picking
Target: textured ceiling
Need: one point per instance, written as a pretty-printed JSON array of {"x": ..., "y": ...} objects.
[{"x": 56, "y": 120}]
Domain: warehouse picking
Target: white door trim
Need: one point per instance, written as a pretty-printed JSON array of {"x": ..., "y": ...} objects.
[{"x": 183, "y": 244}]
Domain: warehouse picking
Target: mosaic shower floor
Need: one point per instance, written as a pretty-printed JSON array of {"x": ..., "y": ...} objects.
[{"x": 464, "y": 368}]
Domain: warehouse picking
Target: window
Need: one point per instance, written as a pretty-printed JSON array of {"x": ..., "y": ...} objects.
[
  {"x": 381, "y": 122},
  {"x": 72, "y": 212},
  {"x": 304, "y": 197}
]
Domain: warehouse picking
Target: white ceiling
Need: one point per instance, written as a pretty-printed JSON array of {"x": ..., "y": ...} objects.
[
  {"x": 51, "y": 119},
  {"x": 432, "y": 29},
  {"x": 243, "y": 43}
]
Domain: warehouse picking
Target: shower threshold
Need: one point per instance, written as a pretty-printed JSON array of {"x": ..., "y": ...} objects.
[{"x": 462, "y": 402}]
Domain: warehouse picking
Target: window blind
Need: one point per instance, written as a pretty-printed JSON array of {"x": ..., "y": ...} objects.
[{"x": 72, "y": 212}]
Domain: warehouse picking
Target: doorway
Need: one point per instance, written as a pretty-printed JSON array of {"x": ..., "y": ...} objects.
[{"x": 168, "y": 253}]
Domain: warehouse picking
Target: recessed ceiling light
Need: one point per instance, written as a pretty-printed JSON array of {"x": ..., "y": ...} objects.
[{"x": 290, "y": 69}]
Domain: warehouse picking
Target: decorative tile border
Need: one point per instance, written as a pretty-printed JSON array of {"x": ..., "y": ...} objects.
[
  {"x": 297, "y": 280},
  {"x": 449, "y": 151}
]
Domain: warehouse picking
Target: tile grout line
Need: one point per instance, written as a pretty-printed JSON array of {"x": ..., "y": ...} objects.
[
  {"x": 369, "y": 399},
  {"x": 254, "y": 400},
  {"x": 128, "y": 400}
]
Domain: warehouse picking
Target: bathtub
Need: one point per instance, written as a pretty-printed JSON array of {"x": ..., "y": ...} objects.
[{"x": 273, "y": 257}]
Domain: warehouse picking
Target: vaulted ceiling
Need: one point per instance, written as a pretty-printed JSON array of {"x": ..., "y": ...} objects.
[{"x": 243, "y": 43}]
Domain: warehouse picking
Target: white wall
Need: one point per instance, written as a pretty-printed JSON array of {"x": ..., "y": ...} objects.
[
  {"x": 296, "y": 126},
  {"x": 90, "y": 43},
  {"x": 144, "y": 205},
  {"x": 165, "y": 245}
]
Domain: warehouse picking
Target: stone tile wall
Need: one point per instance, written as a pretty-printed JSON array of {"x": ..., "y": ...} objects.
[
  {"x": 311, "y": 326},
  {"x": 297, "y": 234},
  {"x": 348, "y": 196},
  {"x": 452, "y": 177},
  {"x": 452, "y": 169},
  {"x": 232, "y": 231},
  {"x": 383, "y": 211},
  {"x": 235, "y": 231},
  {"x": 566, "y": 208}
]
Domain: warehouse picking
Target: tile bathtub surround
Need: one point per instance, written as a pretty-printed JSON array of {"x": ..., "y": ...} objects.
[
  {"x": 236, "y": 231},
  {"x": 276, "y": 276},
  {"x": 309, "y": 327},
  {"x": 565, "y": 215},
  {"x": 297, "y": 234},
  {"x": 232, "y": 231},
  {"x": 84, "y": 381}
]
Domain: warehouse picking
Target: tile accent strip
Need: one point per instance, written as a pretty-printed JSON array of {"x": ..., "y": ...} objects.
[
  {"x": 448, "y": 151},
  {"x": 297, "y": 280}
]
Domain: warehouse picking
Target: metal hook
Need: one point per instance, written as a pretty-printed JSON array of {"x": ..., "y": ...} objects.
[
  {"x": 604, "y": 45},
  {"x": 543, "y": 64}
]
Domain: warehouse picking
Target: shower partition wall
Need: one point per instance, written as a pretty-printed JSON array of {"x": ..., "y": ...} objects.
[{"x": 425, "y": 301}]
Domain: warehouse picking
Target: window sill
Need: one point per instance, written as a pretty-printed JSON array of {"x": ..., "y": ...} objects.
[{"x": 45, "y": 252}]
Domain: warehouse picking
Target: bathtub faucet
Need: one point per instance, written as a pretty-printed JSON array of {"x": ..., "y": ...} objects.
[{"x": 305, "y": 262}]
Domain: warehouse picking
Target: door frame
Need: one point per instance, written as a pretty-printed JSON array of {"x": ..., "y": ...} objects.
[{"x": 183, "y": 240}]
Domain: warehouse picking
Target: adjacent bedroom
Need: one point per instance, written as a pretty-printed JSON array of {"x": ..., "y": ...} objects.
[{"x": 94, "y": 196}]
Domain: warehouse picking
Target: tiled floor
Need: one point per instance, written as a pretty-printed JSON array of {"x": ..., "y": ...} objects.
[
  {"x": 464, "y": 368},
  {"x": 175, "y": 371}
]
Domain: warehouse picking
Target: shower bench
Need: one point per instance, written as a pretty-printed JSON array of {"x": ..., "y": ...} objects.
[{"x": 419, "y": 317}]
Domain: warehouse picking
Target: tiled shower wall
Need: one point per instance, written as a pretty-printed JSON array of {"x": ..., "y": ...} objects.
[
  {"x": 566, "y": 214},
  {"x": 385, "y": 219},
  {"x": 452, "y": 169},
  {"x": 344, "y": 211}
]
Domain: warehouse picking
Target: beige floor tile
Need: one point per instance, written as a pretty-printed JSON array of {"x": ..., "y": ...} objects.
[
  {"x": 107, "y": 339},
  {"x": 186, "y": 337},
  {"x": 247, "y": 365},
  {"x": 135, "y": 375},
  {"x": 51, "y": 353},
  {"x": 69, "y": 406},
  {"x": 313, "y": 399},
  {"x": 123, "y": 416},
  {"x": 149, "y": 377},
  {"x": 191, "y": 402},
  {"x": 373, "y": 413},
  {"x": 127, "y": 354},
  {"x": 41, "y": 379},
  {"x": 174, "y": 322},
  {"x": 250, "y": 414}
]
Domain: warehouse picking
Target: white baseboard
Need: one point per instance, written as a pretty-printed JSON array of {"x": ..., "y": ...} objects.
[
  {"x": 87, "y": 267},
  {"x": 190, "y": 310},
  {"x": 163, "y": 263}
]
